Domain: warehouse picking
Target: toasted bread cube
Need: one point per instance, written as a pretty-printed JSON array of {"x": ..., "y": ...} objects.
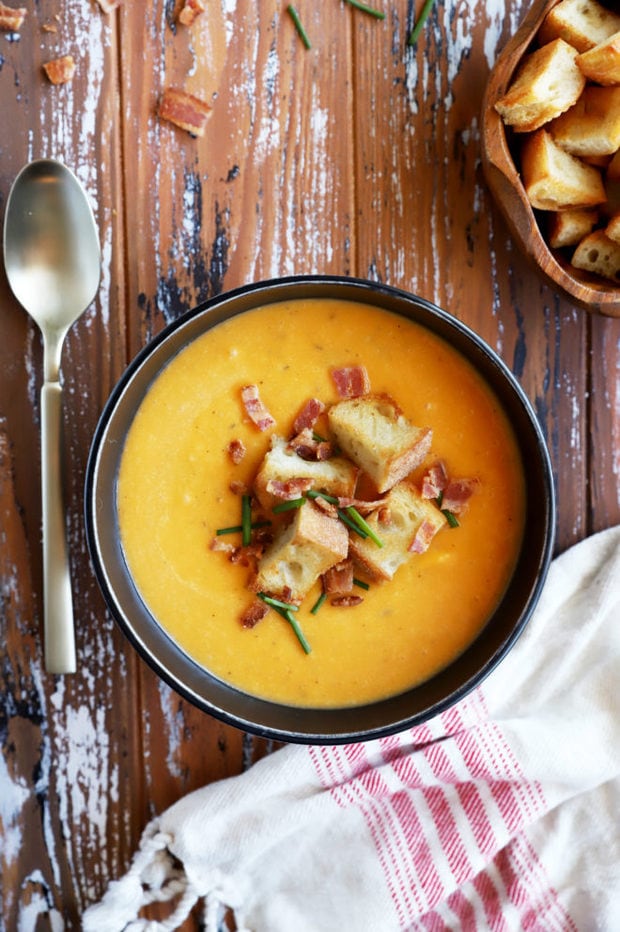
[
  {"x": 555, "y": 179},
  {"x": 592, "y": 126},
  {"x": 568, "y": 227},
  {"x": 413, "y": 522},
  {"x": 582, "y": 23},
  {"x": 336, "y": 476},
  {"x": 547, "y": 83},
  {"x": 310, "y": 545},
  {"x": 601, "y": 64},
  {"x": 379, "y": 439},
  {"x": 599, "y": 254},
  {"x": 612, "y": 230}
]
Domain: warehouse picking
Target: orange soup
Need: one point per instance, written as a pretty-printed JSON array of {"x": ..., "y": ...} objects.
[{"x": 174, "y": 493}]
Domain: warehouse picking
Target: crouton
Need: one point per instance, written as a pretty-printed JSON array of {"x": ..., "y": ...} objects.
[
  {"x": 379, "y": 439},
  {"x": 413, "y": 522},
  {"x": 568, "y": 227},
  {"x": 336, "y": 476},
  {"x": 601, "y": 64},
  {"x": 612, "y": 230},
  {"x": 582, "y": 23},
  {"x": 555, "y": 179},
  {"x": 547, "y": 83},
  {"x": 592, "y": 126},
  {"x": 310, "y": 545},
  {"x": 599, "y": 254}
]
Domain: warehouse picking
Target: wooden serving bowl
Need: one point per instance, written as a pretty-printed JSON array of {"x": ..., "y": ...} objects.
[{"x": 591, "y": 292}]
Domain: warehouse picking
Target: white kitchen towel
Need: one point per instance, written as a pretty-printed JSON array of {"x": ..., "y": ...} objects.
[{"x": 502, "y": 813}]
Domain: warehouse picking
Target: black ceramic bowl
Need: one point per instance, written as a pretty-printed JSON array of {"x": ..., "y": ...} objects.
[{"x": 306, "y": 725}]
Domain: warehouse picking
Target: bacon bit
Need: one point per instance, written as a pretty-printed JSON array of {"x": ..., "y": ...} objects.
[
  {"x": 247, "y": 556},
  {"x": 238, "y": 487},
  {"x": 11, "y": 18},
  {"x": 457, "y": 494},
  {"x": 305, "y": 445},
  {"x": 435, "y": 480},
  {"x": 254, "y": 613},
  {"x": 288, "y": 489},
  {"x": 338, "y": 580},
  {"x": 108, "y": 6},
  {"x": 60, "y": 70},
  {"x": 236, "y": 451},
  {"x": 326, "y": 507},
  {"x": 189, "y": 11},
  {"x": 184, "y": 110},
  {"x": 346, "y": 601},
  {"x": 222, "y": 545},
  {"x": 49, "y": 27},
  {"x": 351, "y": 381},
  {"x": 255, "y": 409},
  {"x": 308, "y": 415},
  {"x": 384, "y": 515},
  {"x": 364, "y": 507},
  {"x": 423, "y": 537}
]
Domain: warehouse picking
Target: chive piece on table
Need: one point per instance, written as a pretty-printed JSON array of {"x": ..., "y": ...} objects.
[
  {"x": 363, "y": 525},
  {"x": 366, "y": 9},
  {"x": 417, "y": 29},
  {"x": 361, "y": 583},
  {"x": 277, "y": 603},
  {"x": 318, "y": 603},
  {"x": 288, "y": 505},
  {"x": 303, "y": 35},
  {"x": 246, "y": 520}
]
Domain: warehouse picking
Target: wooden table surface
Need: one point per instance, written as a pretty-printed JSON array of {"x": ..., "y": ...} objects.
[{"x": 359, "y": 156}]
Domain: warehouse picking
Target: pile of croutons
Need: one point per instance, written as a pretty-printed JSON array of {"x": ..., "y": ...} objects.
[{"x": 564, "y": 104}]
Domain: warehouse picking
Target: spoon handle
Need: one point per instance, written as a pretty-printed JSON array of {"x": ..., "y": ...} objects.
[{"x": 57, "y": 601}]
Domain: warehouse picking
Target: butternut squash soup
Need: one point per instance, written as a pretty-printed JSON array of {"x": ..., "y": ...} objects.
[{"x": 179, "y": 484}]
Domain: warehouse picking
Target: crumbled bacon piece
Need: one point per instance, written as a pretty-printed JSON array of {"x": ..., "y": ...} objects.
[
  {"x": 326, "y": 507},
  {"x": 308, "y": 415},
  {"x": 351, "y": 381},
  {"x": 238, "y": 487},
  {"x": 364, "y": 507},
  {"x": 423, "y": 537},
  {"x": 288, "y": 489},
  {"x": 457, "y": 494},
  {"x": 338, "y": 580},
  {"x": 309, "y": 448},
  {"x": 346, "y": 601},
  {"x": 255, "y": 408},
  {"x": 108, "y": 6},
  {"x": 189, "y": 11},
  {"x": 60, "y": 70},
  {"x": 254, "y": 613},
  {"x": 434, "y": 481},
  {"x": 11, "y": 18},
  {"x": 224, "y": 546},
  {"x": 236, "y": 451},
  {"x": 384, "y": 515},
  {"x": 184, "y": 110}
]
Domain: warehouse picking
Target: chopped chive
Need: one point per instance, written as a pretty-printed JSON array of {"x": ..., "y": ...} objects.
[
  {"x": 246, "y": 520},
  {"x": 311, "y": 493},
  {"x": 288, "y": 616},
  {"x": 351, "y": 524},
  {"x": 277, "y": 603},
  {"x": 318, "y": 603},
  {"x": 366, "y": 9},
  {"x": 417, "y": 29},
  {"x": 363, "y": 525},
  {"x": 288, "y": 505},
  {"x": 439, "y": 499},
  {"x": 361, "y": 584},
  {"x": 303, "y": 35},
  {"x": 236, "y": 528},
  {"x": 450, "y": 517},
  {"x": 318, "y": 437}
]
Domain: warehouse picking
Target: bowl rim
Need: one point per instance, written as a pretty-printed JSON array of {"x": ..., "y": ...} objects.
[
  {"x": 504, "y": 181},
  {"x": 226, "y": 703}
]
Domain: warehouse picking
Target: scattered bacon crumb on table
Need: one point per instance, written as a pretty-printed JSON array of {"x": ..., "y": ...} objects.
[
  {"x": 60, "y": 70},
  {"x": 11, "y": 18},
  {"x": 189, "y": 11},
  {"x": 184, "y": 110}
]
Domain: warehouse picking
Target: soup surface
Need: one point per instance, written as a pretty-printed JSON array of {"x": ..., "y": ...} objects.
[{"x": 173, "y": 493}]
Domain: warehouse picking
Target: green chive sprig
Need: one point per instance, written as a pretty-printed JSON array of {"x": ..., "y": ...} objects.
[
  {"x": 363, "y": 525},
  {"x": 237, "y": 528},
  {"x": 303, "y": 35},
  {"x": 318, "y": 603},
  {"x": 366, "y": 9},
  {"x": 288, "y": 505},
  {"x": 417, "y": 29},
  {"x": 246, "y": 520}
]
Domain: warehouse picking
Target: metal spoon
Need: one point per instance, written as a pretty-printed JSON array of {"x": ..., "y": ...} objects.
[{"x": 53, "y": 265}]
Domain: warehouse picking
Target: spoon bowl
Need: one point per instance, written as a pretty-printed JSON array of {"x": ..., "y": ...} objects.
[{"x": 53, "y": 265}]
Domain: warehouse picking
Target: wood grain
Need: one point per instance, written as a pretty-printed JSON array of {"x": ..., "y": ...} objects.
[{"x": 360, "y": 156}]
